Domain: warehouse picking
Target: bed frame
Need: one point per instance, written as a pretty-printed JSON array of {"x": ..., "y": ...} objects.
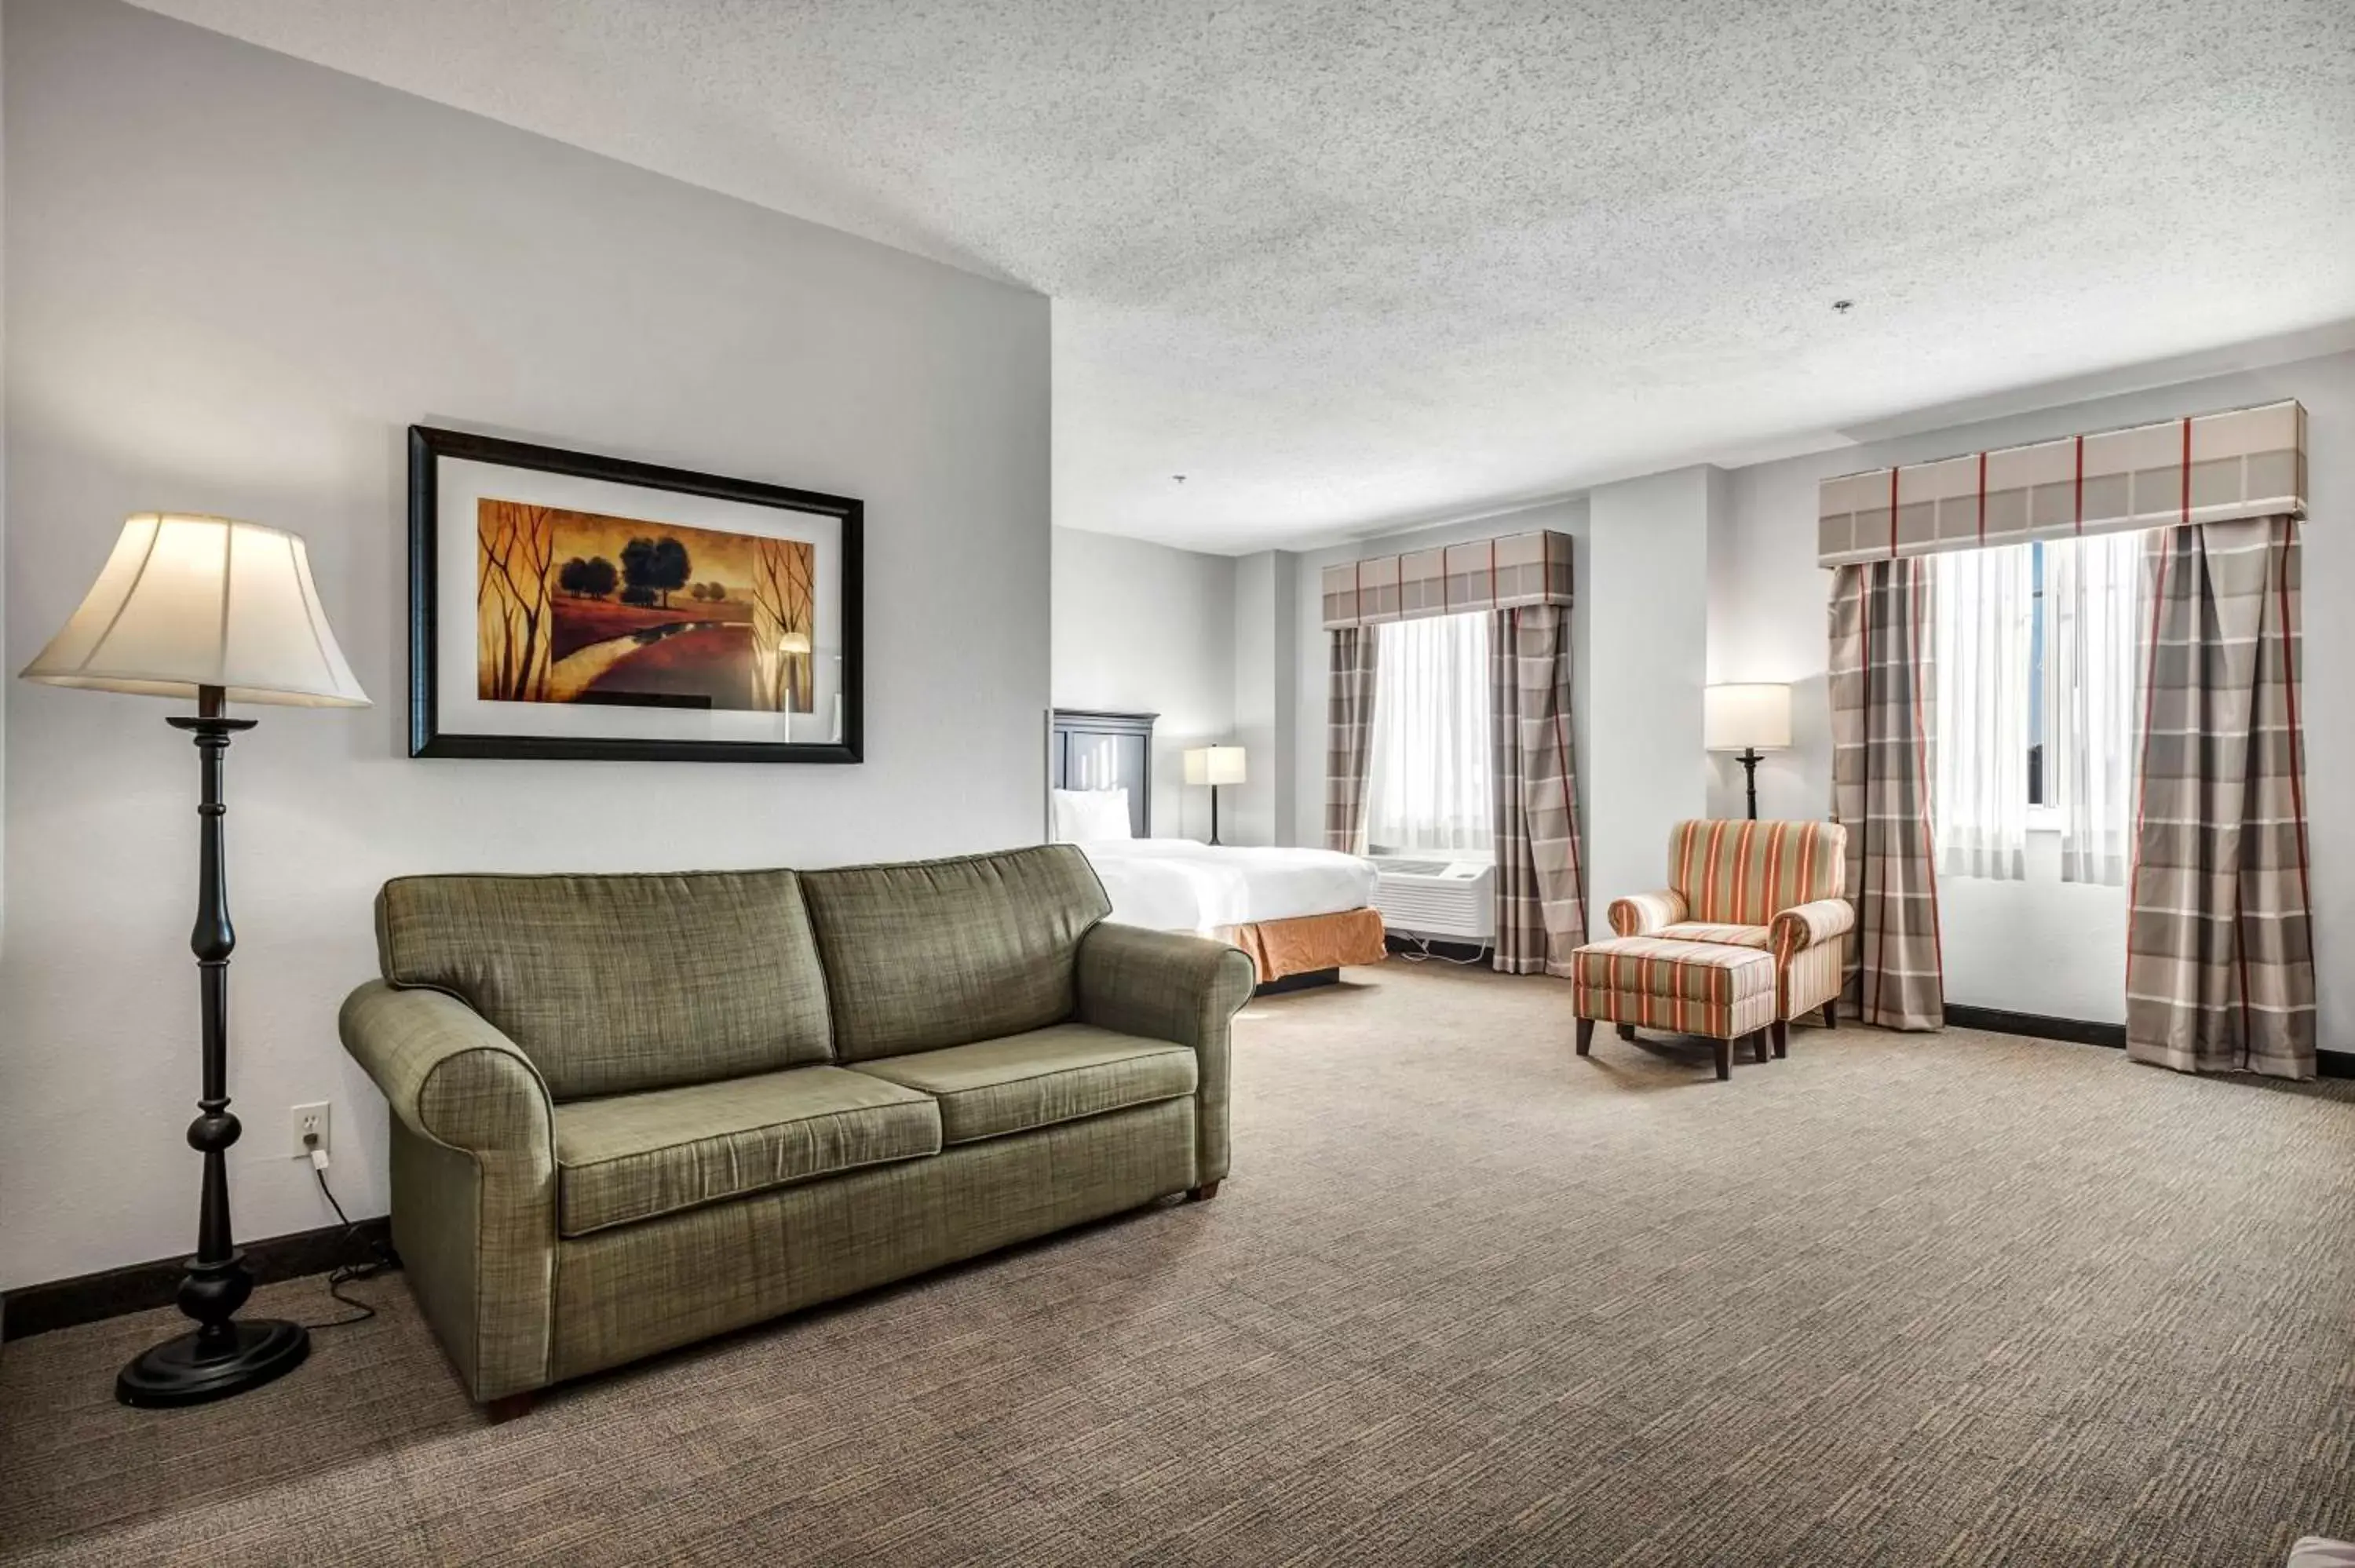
[
  {"x": 1090, "y": 749},
  {"x": 1093, "y": 750}
]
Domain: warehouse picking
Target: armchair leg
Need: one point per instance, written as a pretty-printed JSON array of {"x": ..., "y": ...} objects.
[
  {"x": 1758, "y": 1047},
  {"x": 1627, "y": 1032},
  {"x": 1724, "y": 1059},
  {"x": 508, "y": 1406},
  {"x": 1585, "y": 1035},
  {"x": 1831, "y": 1013},
  {"x": 1205, "y": 1192},
  {"x": 1782, "y": 1032}
]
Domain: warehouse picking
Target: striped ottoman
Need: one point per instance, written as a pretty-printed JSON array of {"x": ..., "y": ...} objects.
[{"x": 1694, "y": 988}]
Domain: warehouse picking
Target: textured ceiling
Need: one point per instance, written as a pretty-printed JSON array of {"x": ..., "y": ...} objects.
[{"x": 1343, "y": 263}]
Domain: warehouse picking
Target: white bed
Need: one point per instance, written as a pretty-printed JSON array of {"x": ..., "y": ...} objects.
[{"x": 1177, "y": 885}]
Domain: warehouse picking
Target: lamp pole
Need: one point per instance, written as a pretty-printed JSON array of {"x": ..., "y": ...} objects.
[
  {"x": 226, "y": 1355},
  {"x": 1750, "y": 758}
]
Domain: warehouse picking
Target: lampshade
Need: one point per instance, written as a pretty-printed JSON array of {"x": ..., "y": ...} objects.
[
  {"x": 186, "y": 602},
  {"x": 1215, "y": 765},
  {"x": 1735, "y": 718}
]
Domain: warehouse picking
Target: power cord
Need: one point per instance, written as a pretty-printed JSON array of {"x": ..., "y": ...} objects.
[
  {"x": 1424, "y": 955},
  {"x": 349, "y": 1273}
]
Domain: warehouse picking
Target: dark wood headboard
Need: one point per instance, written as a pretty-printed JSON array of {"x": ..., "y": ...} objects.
[{"x": 1105, "y": 751}]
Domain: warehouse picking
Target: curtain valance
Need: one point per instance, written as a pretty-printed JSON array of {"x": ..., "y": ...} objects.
[
  {"x": 1487, "y": 574},
  {"x": 2212, "y": 467}
]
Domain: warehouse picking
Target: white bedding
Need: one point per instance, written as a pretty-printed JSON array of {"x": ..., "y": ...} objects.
[{"x": 1177, "y": 885}]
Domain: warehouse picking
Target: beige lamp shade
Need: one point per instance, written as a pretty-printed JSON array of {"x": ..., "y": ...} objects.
[
  {"x": 1746, "y": 718},
  {"x": 186, "y": 602},
  {"x": 1215, "y": 765}
]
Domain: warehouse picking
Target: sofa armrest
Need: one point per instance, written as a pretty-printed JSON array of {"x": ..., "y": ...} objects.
[
  {"x": 473, "y": 1179},
  {"x": 1646, "y": 913},
  {"x": 1803, "y": 926},
  {"x": 1166, "y": 985},
  {"x": 446, "y": 1073}
]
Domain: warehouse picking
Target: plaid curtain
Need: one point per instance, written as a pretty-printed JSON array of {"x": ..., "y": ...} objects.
[
  {"x": 1348, "y": 726},
  {"x": 2220, "y": 954},
  {"x": 1881, "y": 686},
  {"x": 1540, "y": 898}
]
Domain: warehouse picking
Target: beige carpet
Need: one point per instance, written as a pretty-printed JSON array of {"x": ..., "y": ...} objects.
[{"x": 1952, "y": 1300}]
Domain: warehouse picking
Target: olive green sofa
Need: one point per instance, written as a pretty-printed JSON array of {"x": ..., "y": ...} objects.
[{"x": 630, "y": 1112}]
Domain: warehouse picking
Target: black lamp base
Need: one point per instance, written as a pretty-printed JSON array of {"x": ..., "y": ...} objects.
[{"x": 188, "y": 1371}]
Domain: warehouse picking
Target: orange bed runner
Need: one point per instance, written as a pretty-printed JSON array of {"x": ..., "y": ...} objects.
[{"x": 1310, "y": 943}]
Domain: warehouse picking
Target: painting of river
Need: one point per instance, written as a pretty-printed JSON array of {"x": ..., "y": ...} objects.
[{"x": 575, "y": 606}]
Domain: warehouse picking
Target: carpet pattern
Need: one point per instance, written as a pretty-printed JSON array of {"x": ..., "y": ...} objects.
[{"x": 1958, "y": 1299}]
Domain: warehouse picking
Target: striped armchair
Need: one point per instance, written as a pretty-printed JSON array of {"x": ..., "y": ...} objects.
[{"x": 1770, "y": 885}]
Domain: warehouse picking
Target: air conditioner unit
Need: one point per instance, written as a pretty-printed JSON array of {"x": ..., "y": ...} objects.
[{"x": 1452, "y": 899}]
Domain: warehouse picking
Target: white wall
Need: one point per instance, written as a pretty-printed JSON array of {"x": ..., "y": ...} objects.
[
  {"x": 1140, "y": 628},
  {"x": 232, "y": 280},
  {"x": 1267, "y": 633},
  {"x": 1646, "y": 604},
  {"x": 2038, "y": 947},
  {"x": 1309, "y": 662}
]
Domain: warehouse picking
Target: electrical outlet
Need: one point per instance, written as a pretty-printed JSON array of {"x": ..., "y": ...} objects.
[{"x": 304, "y": 1122}]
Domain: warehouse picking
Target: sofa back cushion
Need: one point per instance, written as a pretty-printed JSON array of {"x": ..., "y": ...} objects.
[
  {"x": 612, "y": 984},
  {"x": 943, "y": 952},
  {"x": 1746, "y": 873}
]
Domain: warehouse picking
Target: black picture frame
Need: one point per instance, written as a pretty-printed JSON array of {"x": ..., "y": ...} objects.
[{"x": 429, "y": 445}]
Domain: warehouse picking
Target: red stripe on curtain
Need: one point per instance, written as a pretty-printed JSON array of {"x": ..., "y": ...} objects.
[
  {"x": 1922, "y": 755},
  {"x": 2297, "y": 737},
  {"x": 2079, "y": 485}
]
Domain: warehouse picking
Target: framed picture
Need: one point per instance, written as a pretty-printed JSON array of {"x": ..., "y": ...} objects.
[{"x": 562, "y": 605}]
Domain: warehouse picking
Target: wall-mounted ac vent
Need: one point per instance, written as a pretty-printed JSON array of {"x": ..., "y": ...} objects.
[{"x": 1420, "y": 896}]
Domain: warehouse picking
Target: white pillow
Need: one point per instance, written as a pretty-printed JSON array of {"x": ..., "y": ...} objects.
[{"x": 1090, "y": 816}]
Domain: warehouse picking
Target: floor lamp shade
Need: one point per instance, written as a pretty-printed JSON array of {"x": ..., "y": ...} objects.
[
  {"x": 1747, "y": 719},
  {"x": 218, "y": 611},
  {"x": 186, "y": 602}
]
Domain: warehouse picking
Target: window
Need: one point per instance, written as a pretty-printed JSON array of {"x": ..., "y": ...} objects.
[
  {"x": 2033, "y": 656},
  {"x": 1427, "y": 765}
]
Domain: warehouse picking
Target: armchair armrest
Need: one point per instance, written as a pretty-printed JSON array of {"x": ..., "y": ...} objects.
[
  {"x": 1803, "y": 926},
  {"x": 1646, "y": 912},
  {"x": 473, "y": 1179},
  {"x": 1166, "y": 985}
]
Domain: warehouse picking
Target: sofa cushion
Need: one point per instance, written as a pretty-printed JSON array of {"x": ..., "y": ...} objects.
[
  {"x": 941, "y": 952},
  {"x": 612, "y": 984},
  {"x": 993, "y": 1087},
  {"x": 1746, "y": 873},
  {"x": 1725, "y": 936},
  {"x": 632, "y": 1157}
]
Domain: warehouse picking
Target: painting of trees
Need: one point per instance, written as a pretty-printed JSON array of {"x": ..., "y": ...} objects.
[
  {"x": 591, "y": 578},
  {"x": 656, "y": 567},
  {"x": 784, "y": 667},
  {"x": 513, "y": 543}
]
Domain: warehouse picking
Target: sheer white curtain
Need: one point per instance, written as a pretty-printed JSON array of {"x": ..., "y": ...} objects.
[
  {"x": 1983, "y": 610},
  {"x": 1427, "y": 771},
  {"x": 2091, "y": 587}
]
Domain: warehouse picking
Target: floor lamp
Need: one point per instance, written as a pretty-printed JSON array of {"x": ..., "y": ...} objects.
[
  {"x": 1747, "y": 720},
  {"x": 221, "y": 611}
]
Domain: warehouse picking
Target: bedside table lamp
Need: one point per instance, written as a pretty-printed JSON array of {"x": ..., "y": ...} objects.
[
  {"x": 1748, "y": 720},
  {"x": 1214, "y": 765},
  {"x": 221, "y": 611}
]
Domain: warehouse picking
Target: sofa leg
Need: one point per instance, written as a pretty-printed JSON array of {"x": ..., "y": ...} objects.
[
  {"x": 1627, "y": 1032},
  {"x": 1724, "y": 1060},
  {"x": 507, "y": 1407},
  {"x": 1782, "y": 1030},
  {"x": 1585, "y": 1035},
  {"x": 1205, "y": 1192},
  {"x": 1831, "y": 1013}
]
